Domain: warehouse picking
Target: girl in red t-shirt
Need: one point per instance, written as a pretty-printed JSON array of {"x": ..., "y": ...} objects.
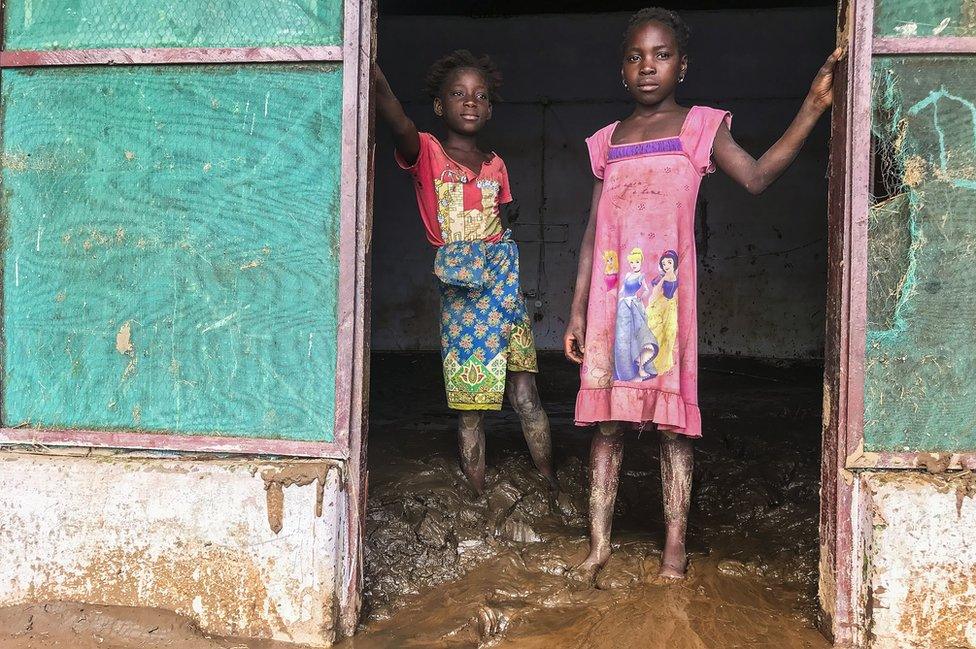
[{"x": 486, "y": 336}]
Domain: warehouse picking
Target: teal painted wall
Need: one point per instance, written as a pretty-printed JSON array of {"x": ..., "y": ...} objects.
[
  {"x": 170, "y": 248},
  {"x": 920, "y": 381},
  {"x": 925, "y": 18},
  {"x": 94, "y": 24}
]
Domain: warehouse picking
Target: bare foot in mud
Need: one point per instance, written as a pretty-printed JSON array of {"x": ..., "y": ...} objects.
[
  {"x": 476, "y": 485},
  {"x": 585, "y": 572},
  {"x": 674, "y": 562},
  {"x": 552, "y": 483},
  {"x": 552, "y": 494}
]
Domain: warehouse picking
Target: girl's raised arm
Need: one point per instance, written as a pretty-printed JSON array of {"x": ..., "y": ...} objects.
[
  {"x": 757, "y": 175},
  {"x": 405, "y": 136},
  {"x": 573, "y": 341}
]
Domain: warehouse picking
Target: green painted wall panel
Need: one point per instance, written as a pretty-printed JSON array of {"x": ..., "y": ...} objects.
[
  {"x": 170, "y": 248},
  {"x": 95, "y": 24},
  {"x": 920, "y": 382},
  {"x": 925, "y": 18}
]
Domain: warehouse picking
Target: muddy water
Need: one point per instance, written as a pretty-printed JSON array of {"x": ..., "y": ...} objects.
[
  {"x": 65, "y": 625},
  {"x": 448, "y": 569}
]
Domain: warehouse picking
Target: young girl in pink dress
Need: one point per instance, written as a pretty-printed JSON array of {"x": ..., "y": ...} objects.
[{"x": 636, "y": 337}]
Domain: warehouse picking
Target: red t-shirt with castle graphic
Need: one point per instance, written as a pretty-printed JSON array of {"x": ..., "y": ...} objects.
[{"x": 457, "y": 204}]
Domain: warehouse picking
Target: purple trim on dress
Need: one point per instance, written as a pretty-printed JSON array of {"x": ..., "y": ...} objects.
[{"x": 668, "y": 145}]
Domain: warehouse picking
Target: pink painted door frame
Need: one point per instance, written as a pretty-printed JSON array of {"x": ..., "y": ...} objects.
[{"x": 843, "y": 528}]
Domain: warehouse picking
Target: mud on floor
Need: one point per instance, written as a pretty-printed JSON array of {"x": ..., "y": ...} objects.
[{"x": 447, "y": 569}]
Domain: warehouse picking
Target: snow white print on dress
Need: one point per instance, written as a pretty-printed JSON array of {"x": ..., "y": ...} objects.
[{"x": 662, "y": 311}]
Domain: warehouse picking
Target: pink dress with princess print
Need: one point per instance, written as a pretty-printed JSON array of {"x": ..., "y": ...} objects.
[{"x": 641, "y": 349}]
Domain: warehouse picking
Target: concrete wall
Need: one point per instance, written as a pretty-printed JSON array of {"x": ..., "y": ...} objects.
[
  {"x": 762, "y": 267},
  {"x": 919, "y": 559},
  {"x": 238, "y": 546}
]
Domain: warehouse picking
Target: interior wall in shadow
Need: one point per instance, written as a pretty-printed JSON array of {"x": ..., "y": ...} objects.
[{"x": 762, "y": 269}]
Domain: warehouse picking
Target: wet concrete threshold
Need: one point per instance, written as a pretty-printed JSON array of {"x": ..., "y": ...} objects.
[{"x": 447, "y": 569}]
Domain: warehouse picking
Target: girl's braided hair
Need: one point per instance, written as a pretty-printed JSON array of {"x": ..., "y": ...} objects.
[
  {"x": 668, "y": 18},
  {"x": 443, "y": 68}
]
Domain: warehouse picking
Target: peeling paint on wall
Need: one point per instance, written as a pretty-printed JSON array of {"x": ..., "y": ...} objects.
[
  {"x": 920, "y": 563},
  {"x": 190, "y": 536}
]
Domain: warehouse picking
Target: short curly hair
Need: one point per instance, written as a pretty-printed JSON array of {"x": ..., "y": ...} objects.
[
  {"x": 668, "y": 18},
  {"x": 443, "y": 68}
]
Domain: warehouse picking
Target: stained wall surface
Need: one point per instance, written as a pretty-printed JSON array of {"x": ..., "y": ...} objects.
[
  {"x": 920, "y": 570},
  {"x": 243, "y": 548}
]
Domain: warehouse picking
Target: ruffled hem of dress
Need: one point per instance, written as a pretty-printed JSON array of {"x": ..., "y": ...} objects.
[{"x": 639, "y": 406}]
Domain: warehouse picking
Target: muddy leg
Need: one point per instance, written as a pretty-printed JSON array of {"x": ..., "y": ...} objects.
[
  {"x": 524, "y": 397},
  {"x": 606, "y": 453},
  {"x": 471, "y": 443},
  {"x": 677, "y": 462}
]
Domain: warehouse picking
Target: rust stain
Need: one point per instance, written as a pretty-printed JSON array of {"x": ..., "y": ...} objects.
[
  {"x": 254, "y": 263},
  {"x": 130, "y": 155}
]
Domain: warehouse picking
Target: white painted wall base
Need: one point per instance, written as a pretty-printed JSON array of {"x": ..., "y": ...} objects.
[
  {"x": 191, "y": 536},
  {"x": 920, "y": 563}
]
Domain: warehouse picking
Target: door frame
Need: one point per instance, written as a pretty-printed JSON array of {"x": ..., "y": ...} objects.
[{"x": 844, "y": 506}]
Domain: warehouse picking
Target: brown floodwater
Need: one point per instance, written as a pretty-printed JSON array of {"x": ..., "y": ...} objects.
[{"x": 445, "y": 568}]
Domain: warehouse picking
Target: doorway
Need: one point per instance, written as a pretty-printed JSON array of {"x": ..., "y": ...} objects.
[{"x": 762, "y": 271}]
